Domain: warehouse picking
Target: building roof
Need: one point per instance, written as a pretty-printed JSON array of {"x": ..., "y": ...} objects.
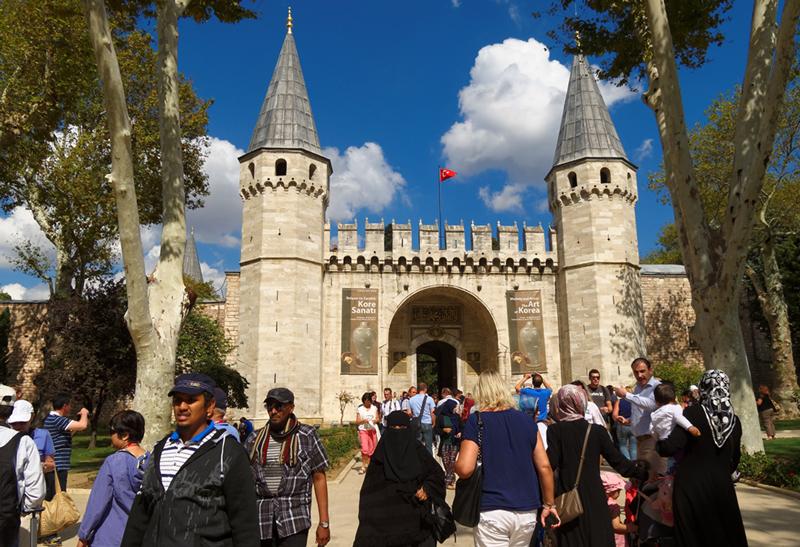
[
  {"x": 663, "y": 269},
  {"x": 285, "y": 120},
  {"x": 586, "y": 127},
  {"x": 191, "y": 262}
]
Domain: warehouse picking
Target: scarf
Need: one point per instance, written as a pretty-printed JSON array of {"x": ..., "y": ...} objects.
[
  {"x": 288, "y": 439},
  {"x": 570, "y": 403},
  {"x": 715, "y": 398},
  {"x": 397, "y": 450}
]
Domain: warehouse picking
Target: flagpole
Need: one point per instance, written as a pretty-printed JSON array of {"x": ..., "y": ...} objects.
[{"x": 439, "y": 188}]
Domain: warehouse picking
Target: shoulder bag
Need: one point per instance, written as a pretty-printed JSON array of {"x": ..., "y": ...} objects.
[
  {"x": 569, "y": 504},
  {"x": 467, "y": 503},
  {"x": 59, "y": 513},
  {"x": 441, "y": 519}
]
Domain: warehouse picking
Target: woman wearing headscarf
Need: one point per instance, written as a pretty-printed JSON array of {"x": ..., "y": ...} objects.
[
  {"x": 565, "y": 440},
  {"x": 400, "y": 479},
  {"x": 704, "y": 502}
]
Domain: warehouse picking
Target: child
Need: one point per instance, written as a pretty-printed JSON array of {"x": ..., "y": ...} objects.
[
  {"x": 613, "y": 484},
  {"x": 668, "y": 414}
]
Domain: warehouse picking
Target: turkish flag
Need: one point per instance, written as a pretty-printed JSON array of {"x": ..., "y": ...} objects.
[{"x": 445, "y": 174}]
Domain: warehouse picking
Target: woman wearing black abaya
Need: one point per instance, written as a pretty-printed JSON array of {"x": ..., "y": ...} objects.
[
  {"x": 703, "y": 499},
  {"x": 401, "y": 477},
  {"x": 565, "y": 440}
]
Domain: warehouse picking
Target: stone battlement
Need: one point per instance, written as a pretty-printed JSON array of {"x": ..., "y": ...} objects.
[{"x": 417, "y": 248}]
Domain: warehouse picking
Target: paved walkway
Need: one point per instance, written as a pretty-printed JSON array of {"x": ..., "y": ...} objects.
[{"x": 771, "y": 520}]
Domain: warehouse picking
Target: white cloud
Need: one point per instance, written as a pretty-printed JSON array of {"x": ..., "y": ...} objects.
[
  {"x": 214, "y": 275},
  {"x": 511, "y": 112},
  {"x": 362, "y": 179},
  {"x": 219, "y": 222},
  {"x": 20, "y": 292},
  {"x": 508, "y": 199},
  {"x": 456, "y": 3},
  {"x": 644, "y": 151},
  {"x": 19, "y": 227}
]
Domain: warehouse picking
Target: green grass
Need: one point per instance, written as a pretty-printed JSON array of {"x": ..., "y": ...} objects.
[
  {"x": 787, "y": 424},
  {"x": 783, "y": 447},
  {"x": 339, "y": 442},
  {"x": 86, "y": 459}
]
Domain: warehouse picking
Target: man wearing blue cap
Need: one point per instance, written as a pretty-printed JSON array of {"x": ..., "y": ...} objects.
[
  {"x": 218, "y": 416},
  {"x": 198, "y": 489}
]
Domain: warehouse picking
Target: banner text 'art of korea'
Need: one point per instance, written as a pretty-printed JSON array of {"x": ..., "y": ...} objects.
[
  {"x": 359, "y": 331},
  {"x": 525, "y": 331}
]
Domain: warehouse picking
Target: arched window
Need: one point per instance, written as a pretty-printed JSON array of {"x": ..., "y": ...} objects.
[
  {"x": 280, "y": 168},
  {"x": 252, "y": 168},
  {"x": 311, "y": 170},
  {"x": 605, "y": 175},
  {"x": 573, "y": 179}
]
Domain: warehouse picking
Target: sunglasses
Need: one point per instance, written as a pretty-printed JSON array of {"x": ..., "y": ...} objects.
[
  {"x": 275, "y": 405},
  {"x": 594, "y": 377}
]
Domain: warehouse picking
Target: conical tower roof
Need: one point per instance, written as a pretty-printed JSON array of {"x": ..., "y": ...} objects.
[
  {"x": 285, "y": 120},
  {"x": 191, "y": 262},
  {"x": 586, "y": 127}
]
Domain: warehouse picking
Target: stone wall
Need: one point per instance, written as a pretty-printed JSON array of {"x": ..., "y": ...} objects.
[{"x": 25, "y": 343}]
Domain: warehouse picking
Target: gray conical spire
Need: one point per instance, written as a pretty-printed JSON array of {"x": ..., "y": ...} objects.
[
  {"x": 285, "y": 120},
  {"x": 586, "y": 127},
  {"x": 191, "y": 262}
]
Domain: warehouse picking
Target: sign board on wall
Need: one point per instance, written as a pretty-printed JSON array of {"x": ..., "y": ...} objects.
[
  {"x": 359, "y": 331},
  {"x": 525, "y": 331}
]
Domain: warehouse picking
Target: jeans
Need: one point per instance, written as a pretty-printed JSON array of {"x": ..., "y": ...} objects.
[
  {"x": 501, "y": 528},
  {"x": 627, "y": 441},
  {"x": 425, "y": 436},
  {"x": 295, "y": 540}
]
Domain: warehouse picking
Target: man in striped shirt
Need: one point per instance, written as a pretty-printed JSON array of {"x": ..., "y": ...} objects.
[
  {"x": 61, "y": 429},
  {"x": 287, "y": 458},
  {"x": 198, "y": 488}
]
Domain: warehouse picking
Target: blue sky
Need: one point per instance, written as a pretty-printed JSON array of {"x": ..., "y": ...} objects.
[{"x": 397, "y": 89}]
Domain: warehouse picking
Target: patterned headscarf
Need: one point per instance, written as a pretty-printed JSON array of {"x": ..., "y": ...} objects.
[
  {"x": 715, "y": 398},
  {"x": 570, "y": 403}
]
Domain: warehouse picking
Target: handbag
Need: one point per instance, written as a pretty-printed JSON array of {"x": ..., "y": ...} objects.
[
  {"x": 441, "y": 519},
  {"x": 569, "y": 504},
  {"x": 467, "y": 503},
  {"x": 59, "y": 513}
]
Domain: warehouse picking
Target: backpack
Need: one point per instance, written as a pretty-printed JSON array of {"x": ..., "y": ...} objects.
[
  {"x": 416, "y": 421},
  {"x": 9, "y": 496},
  {"x": 529, "y": 404}
]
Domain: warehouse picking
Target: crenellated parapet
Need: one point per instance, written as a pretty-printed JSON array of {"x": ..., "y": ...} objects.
[
  {"x": 596, "y": 180},
  {"x": 254, "y": 188},
  {"x": 410, "y": 248}
]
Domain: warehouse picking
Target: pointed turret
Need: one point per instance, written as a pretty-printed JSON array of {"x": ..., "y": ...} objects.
[
  {"x": 191, "y": 262},
  {"x": 285, "y": 120},
  {"x": 586, "y": 127}
]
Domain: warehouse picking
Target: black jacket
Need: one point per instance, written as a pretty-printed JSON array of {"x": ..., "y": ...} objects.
[{"x": 205, "y": 506}]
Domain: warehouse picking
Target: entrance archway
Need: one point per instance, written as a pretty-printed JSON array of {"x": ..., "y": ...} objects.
[
  {"x": 436, "y": 365},
  {"x": 443, "y": 333}
]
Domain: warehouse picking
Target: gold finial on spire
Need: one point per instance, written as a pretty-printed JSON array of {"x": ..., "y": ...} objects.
[{"x": 289, "y": 21}]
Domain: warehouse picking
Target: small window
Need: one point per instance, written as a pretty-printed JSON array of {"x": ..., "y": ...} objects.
[
  {"x": 280, "y": 168},
  {"x": 311, "y": 170},
  {"x": 252, "y": 168},
  {"x": 573, "y": 179},
  {"x": 605, "y": 175}
]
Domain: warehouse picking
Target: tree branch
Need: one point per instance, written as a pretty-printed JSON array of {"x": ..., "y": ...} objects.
[
  {"x": 664, "y": 97},
  {"x": 121, "y": 176},
  {"x": 768, "y": 76}
]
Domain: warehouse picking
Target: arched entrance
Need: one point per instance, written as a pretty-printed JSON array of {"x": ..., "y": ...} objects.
[
  {"x": 436, "y": 365},
  {"x": 444, "y": 336}
]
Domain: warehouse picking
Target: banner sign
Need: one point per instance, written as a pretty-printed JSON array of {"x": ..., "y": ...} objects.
[
  {"x": 525, "y": 331},
  {"x": 359, "y": 331}
]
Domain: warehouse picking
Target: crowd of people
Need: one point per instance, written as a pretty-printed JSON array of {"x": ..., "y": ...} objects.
[{"x": 212, "y": 483}]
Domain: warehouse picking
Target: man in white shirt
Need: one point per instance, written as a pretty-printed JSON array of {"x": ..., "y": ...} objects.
[
  {"x": 21, "y": 478},
  {"x": 643, "y": 404},
  {"x": 389, "y": 405}
]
